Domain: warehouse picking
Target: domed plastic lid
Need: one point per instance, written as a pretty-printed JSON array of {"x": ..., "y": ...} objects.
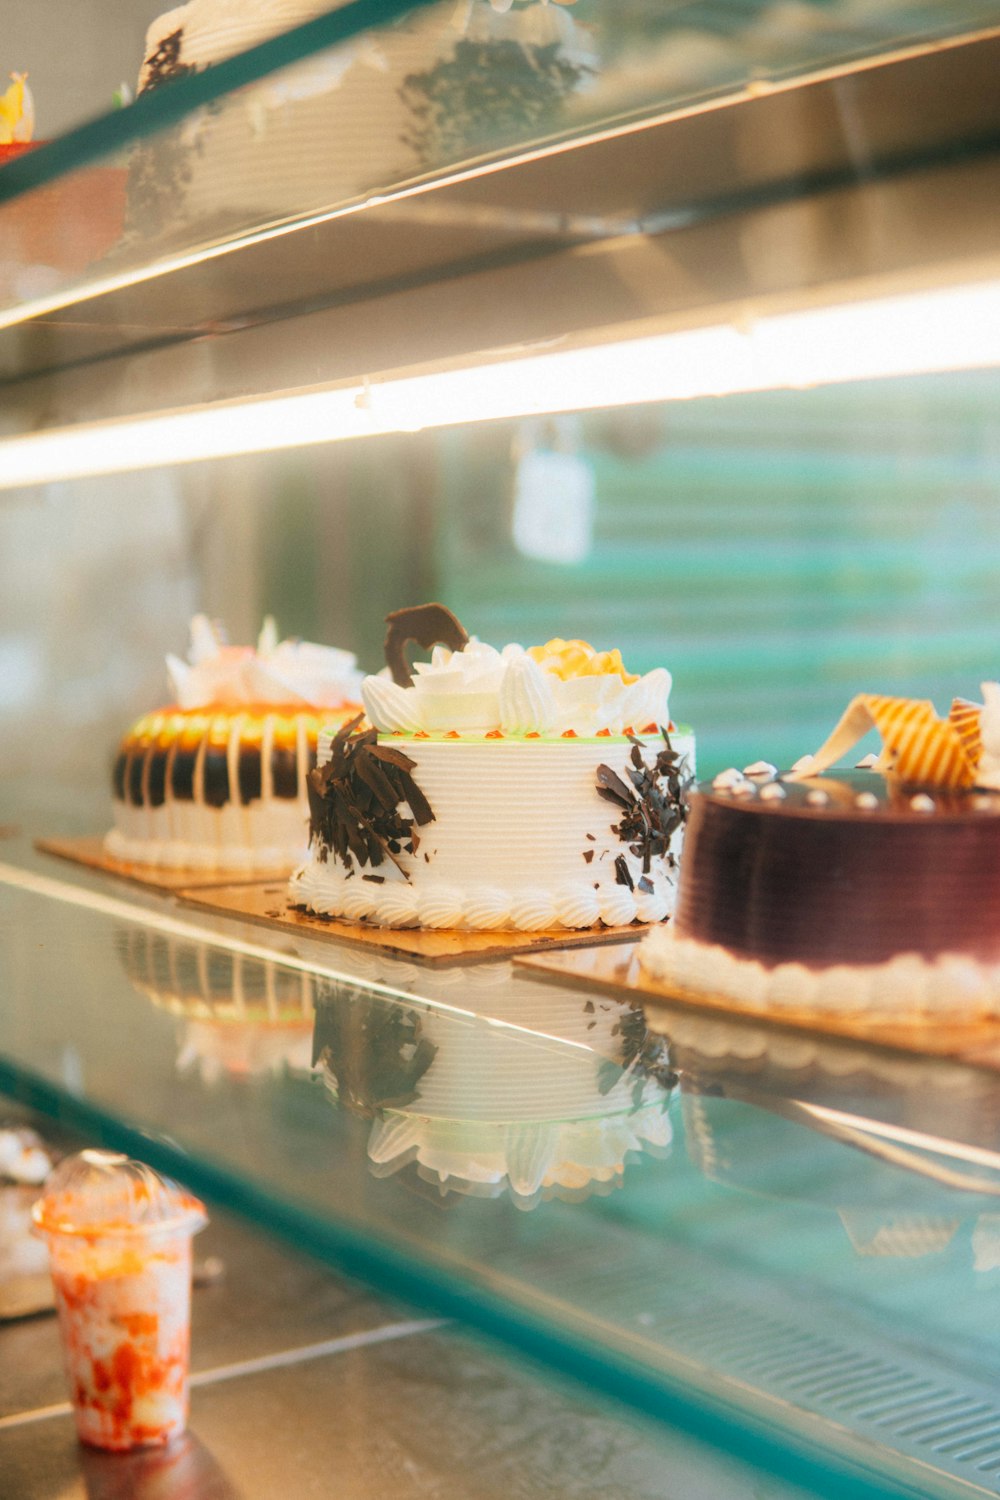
[{"x": 104, "y": 1192}]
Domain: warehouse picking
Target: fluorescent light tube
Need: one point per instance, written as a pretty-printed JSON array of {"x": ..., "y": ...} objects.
[{"x": 948, "y": 329}]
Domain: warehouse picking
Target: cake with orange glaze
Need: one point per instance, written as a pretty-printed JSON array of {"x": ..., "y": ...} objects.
[
  {"x": 498, "y": 789},
  {"x": 217, "y": 781}
]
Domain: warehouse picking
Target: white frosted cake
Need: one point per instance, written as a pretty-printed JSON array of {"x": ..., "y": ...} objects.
[
  {"x": 515, "y": 789},
  {"x": 218, "y": 780},
  {"x": 376, "y": 110}
]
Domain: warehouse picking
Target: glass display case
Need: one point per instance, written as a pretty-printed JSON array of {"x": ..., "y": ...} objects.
[{"x": 674, "y": 327}]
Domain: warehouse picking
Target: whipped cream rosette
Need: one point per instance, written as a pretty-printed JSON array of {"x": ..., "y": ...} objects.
[
  {"x": 562, "y": 688},
  {"x": 499, "y": 789},
  {"x": 217, "y": 780},
  {"x": 873, "y": 891}
]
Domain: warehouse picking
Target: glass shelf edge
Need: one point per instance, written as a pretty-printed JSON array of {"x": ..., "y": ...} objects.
[
  {"x": 160, "y": 108},
  {"x": 784, "y": 1447}
]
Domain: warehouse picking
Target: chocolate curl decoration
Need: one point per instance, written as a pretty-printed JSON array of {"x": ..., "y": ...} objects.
[
  {"x": 427, "y": 625},
  {"x": 653, "y": 803},
  {"x": 919, "y": 747},
  {"x": 355, "y": 801}
]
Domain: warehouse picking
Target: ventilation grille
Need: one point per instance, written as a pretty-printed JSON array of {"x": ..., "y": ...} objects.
[
  {"x": 936, "y": 1426},
  {"x": 954, "y": 1427}
]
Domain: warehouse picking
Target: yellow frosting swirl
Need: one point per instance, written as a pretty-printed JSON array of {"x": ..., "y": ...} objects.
[
  {"x": 566, "y": 659},
  {"x": 17, "y": 114}
]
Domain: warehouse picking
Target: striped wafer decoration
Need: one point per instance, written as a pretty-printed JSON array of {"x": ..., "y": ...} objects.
[
  {"x": 919, "y": 747},
  {"x": 966, "y": 718}
]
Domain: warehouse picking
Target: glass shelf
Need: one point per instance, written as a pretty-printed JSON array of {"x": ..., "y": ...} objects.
[
  {"x": 789, "y": 1244},
  {"x": 792, "y": 1247},
  {"x": 358, "y": 173}
]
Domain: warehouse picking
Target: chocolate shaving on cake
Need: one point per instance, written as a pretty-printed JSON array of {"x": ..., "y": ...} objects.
[
  {"x": 164, "y": 64},
  {"x": 160, "y": 167},
  {"x": 611, "y": 787},
  {"x": 427, "y": 625},
  {"x": 622, "y": 873},
  {"x": 363, "y": 803},
  {"x": 654, "y": 806},
  {"x": 485, "y": 93}
]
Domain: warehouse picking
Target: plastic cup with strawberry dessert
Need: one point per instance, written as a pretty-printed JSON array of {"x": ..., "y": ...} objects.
[{"x": 119, "y": 1238}]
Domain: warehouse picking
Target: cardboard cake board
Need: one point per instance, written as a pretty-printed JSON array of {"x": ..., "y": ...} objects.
[
  {"x": 268, "y": 905},
  {"x": 617, "y": 971},
  {"x": 92, "y": 853}
]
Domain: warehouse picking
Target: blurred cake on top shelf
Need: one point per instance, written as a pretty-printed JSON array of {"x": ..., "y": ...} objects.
[
  {"x": 872, "y": 891},
  {"x": 217, "y": 781},
  {"x": 499, "y": 789},
  {"x": 423, "y": 91}
]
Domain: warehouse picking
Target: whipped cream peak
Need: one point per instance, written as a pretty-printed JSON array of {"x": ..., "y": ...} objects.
[
  {"x": 988, "y": 769},
  {"x": 389, "y": 706},
  {"x": 549, "y": 690},
  {"x": 527, "y": 698},
  {"x": 290, "y": 671}
]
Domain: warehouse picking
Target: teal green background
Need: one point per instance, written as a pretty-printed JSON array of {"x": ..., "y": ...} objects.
[{"x": 779, "y": 552}]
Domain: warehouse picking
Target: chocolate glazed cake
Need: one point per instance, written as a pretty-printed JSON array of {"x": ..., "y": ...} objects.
[{"x": 843, "y": 892}]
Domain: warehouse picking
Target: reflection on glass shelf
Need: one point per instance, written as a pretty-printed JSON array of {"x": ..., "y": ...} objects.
[
  {"x": 475, "y": 1109},
  {"x": 890, "y": 1202},
  {"x": 753, "y": 1272},
  {"x": 240, "y": 1017}
]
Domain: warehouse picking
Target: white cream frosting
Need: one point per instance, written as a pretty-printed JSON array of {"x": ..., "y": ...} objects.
[
  {"x": 277, "y": 672},
  {"x": 528, "y": 1160},
  {"x": 514, "y": 822},
  {"x": 480, "y": 689},
  {"x": 906, "y": 985},
  {"x": 216, "y": 29},
  {"x": 988, "y": 770}
]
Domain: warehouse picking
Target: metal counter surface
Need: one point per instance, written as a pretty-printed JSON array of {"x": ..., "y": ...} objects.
[{"x": 402, "y": 1407}]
